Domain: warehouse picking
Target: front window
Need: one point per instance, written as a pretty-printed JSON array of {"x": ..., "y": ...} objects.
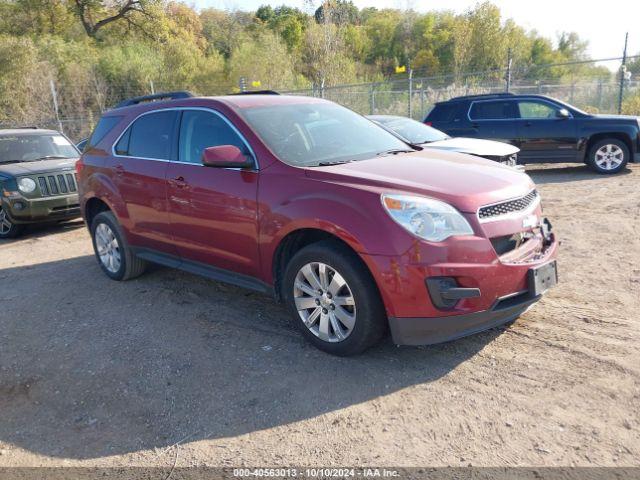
[
  {"x": 314, "y": 134},
  {"x": 412, "y": 131},
  {"x": 33, "y": 147},
  {"x": 536, "y": 110},
  {"x": 200, "y": 130}
]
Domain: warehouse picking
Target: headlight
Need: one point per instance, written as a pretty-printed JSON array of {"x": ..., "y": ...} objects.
[
  {"x": 26, "y": 185},
  {"x": 426, "y": 218}
]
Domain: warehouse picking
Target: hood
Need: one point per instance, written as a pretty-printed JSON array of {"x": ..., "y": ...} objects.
[
  {"x": 474, "y": 146},
  {"x": 464, "y": 181},
  {"x": 43, "y": 166},
  {"x": 616, "y": 118}
]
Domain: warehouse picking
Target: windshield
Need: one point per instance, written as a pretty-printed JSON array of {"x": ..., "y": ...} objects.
[
  {"x": 313, "y": 134},
  {"x": 27, "y": 148},
  {"x": 411, "y": 130}
]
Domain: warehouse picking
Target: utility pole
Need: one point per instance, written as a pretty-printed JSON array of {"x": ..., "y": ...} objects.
[
  {"x": 508, "y": 75},
  {"x": 623, "y": 71}
]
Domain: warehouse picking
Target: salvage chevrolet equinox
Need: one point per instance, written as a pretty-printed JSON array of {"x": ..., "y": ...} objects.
[{"x": 356, "y": 231}]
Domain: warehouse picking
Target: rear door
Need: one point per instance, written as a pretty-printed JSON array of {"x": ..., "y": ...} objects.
[
  {"x": 493, "y": 120},
  {"x": 213, "y": 211},
  {"x": 142, "y": 155},
  {"x": 543, "y": 136}
]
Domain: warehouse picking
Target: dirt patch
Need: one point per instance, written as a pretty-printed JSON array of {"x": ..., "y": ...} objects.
[{"x": 128, "y": 373}]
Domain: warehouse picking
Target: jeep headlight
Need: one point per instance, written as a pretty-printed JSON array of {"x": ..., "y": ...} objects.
[
  {"x": 426, "y": 218},
  {"x": 26, "y": 185}
]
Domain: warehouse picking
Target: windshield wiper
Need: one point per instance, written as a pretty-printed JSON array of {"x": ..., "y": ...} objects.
[
  {"x": 2, "y": 162},
  {"x": 395, "y": 151},
  {"x": 49, "y": 157},
  {"x": 327, "y": 164}
]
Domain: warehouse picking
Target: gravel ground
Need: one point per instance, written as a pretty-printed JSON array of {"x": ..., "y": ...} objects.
[{"x": 172, "y": 368}]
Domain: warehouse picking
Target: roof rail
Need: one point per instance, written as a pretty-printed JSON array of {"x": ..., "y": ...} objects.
[
  {"x": 157, "y": 96},
  {"x": 484, "y": 95},
  {"x": 257, "y": 92}
]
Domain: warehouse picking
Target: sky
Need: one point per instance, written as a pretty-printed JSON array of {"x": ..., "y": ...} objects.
[{"x": 604, "y": 28}]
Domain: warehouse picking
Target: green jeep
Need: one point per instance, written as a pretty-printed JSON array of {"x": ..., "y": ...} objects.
[{"x": 37, "y": 179}]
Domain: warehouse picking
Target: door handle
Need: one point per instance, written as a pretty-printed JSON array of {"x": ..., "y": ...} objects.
[
  {"x": 119, "y": 170},
  {"x": 475, "y": 125},
  {"x": 527, "y": 124},
  {"x": 179, "y": 182}
]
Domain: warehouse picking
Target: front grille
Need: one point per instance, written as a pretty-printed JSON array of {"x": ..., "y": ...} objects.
[
  {"x": 58, "y": 184},
  {"x": 504, "y": 208}
]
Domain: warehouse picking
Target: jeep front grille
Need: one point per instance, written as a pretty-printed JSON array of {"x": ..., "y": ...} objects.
[
  {"x": 511, "y": 206},
  {"x": 58, "y": 184}
]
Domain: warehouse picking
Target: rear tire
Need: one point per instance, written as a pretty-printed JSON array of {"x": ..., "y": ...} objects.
[
  {"x": 8, "y": 229},
  {"x": 113, "y": 253},
  {"x": 339, "y": 311},
  {"x": 609, "y": 155}
]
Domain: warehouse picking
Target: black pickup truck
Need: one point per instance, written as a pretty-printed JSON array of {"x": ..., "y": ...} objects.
[{"x": 545, "y": 129}]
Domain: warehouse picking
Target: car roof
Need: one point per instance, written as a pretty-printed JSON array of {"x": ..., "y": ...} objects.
[
  {"x": 26, "y": 131},
  {"x": 493, "y": 96},
  {"x": 233, "y": 101}
]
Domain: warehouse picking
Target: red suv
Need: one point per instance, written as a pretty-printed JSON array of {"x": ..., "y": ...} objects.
[{"x": 356, "y": 231}]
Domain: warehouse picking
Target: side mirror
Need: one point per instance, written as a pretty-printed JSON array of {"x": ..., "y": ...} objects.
[
  {"x": 562, "y": 113},
  {"x": 224, "y": 156}
]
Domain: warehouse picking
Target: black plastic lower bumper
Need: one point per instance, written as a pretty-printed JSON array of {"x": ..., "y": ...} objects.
[{"x": 427, "y": 331}]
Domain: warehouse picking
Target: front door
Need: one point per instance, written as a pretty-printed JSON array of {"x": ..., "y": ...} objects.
[
  {"x": 544, "y": 135},
  {"x": 213, "y": 211}
]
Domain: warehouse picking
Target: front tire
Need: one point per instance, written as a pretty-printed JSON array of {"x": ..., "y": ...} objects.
[
  {"x": 333, "y": 299},
  {"x": 8, "y": 229},
  {"x": 114, "y": 254},
  {"x": 608, "y": 156}
]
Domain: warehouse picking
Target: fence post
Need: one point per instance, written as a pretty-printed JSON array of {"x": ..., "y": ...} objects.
[
  {"x": 623, "y": 69},
  {"x": 508, "y": 74},
  {"x": 410, "y": 92},
  {"x": 54, "y": 96},
  {"x": 421, "y": 102},
  {"x": 372, "y": 99}
]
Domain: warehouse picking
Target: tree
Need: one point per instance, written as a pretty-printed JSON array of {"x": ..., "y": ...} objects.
[
  {"x": 340, "y": 12},
  {"x": 110, "y": 11}
]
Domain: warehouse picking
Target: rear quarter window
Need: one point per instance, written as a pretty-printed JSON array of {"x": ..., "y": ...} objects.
[
  {"x": 104, "y": 126},
  {"x": 443, "y": 112}
]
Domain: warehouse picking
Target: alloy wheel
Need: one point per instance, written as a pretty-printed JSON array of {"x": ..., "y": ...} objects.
[
  {"x": 609, "y": 157},
  {"x": 324, "y": 302},
  {"x": 5, "y": 224},
  {"x": 108, "y": 248}
]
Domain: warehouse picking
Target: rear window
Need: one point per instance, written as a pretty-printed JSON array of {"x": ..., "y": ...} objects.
[
  {"x": 498, "y": 110},
  {"x": 104, "y": 126}
]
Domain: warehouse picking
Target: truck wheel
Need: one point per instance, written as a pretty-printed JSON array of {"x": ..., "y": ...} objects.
[
  {"x": 8, "y": 229},
  {"x": 608, "y": 156},
  {"x": 333, "y": 299},
  {"x": 114, "y": 255}
]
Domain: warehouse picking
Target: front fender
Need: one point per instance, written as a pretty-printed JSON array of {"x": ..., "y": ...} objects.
[{"x": 355, "y": 216}]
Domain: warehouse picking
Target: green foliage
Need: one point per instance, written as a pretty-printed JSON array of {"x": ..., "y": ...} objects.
[
  {"x": 99, "y": 51},
  {"x": 631, "y": 106}
]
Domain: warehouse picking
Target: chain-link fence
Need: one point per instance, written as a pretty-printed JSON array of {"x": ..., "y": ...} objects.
[{"x": 593, "y": 90}]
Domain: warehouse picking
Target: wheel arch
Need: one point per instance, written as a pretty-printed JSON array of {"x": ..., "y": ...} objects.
[
  {"x": 595, "y": 138},
  {"x": 300, "y": 238},
  {"x": 92, "y": 207}
]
